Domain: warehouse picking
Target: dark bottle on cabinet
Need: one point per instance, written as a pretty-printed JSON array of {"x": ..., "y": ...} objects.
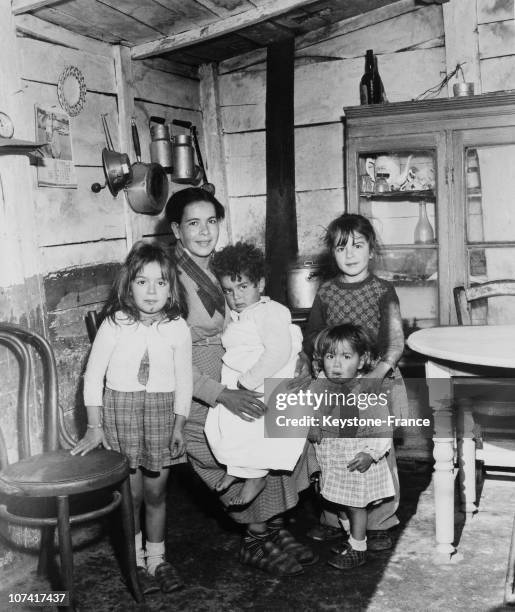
[{"x": 371, "y": 90}]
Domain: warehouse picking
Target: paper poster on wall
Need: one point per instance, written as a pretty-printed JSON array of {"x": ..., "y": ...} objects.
[{"x": 55, "y": 167}]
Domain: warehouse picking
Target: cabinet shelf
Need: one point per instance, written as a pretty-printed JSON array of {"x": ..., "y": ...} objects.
[
  {"x": 415, "y": 196},
  {"x": 406, "y": 247}
]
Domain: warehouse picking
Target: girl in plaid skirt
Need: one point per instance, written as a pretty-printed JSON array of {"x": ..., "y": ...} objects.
[
  {"x": 143, "y": 350},
  {"x": 351, "y": 445}
]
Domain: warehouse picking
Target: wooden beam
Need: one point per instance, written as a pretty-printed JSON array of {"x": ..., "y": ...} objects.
[
  {"x": 24, "y": 6},
  {"x": 281, "y": 218},
  {"x": 352, "y": 24},
  {"x": 37, "y": 28},
  {"x": 265, "y": 11}
]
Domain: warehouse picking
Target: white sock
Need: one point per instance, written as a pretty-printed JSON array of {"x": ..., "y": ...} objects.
[
  {"x": 358, "y": 544},
  {"x": 140, "y": 551},
  {"x": 155, "y": 555}
]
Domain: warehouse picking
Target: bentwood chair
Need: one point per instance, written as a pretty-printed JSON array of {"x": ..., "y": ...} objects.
[
  {"x": 54, "y": 479},
  {"x": 493, "y": 406}
]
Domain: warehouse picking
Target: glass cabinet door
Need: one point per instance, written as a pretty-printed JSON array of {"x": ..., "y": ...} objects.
[
  {"x": 397, "y": 191},
  {"x": 489, "y": 201}
]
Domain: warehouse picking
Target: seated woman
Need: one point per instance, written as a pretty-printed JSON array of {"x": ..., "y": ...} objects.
[{"x": 195, "y": 216}]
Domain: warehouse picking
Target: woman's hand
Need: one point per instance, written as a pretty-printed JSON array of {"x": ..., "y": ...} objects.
[
  {"x": 372, "y": 381},
  {"x": 243, "y": 403},
  {"x": 315, "y": 435},
  {"x": 92, "y": 438},
  {"x": 361, "y": 462},
  {"x": 302, "y": 376}
]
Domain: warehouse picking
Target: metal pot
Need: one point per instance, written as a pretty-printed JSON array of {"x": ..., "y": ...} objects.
[
  {"x": 148, "y": 190},
  {"x": 303, "y": 282}
]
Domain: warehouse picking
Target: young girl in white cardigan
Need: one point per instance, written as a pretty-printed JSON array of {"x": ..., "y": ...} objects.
[{"x": 143, "y": 350}]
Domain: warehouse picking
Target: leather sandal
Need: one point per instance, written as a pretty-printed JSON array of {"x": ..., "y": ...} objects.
[
  {"x": 286, "y": 542},
  {"x": 258, "y": 551},
  {"x": 147, "y": 582},
  {"x": 168, "y": 578}
]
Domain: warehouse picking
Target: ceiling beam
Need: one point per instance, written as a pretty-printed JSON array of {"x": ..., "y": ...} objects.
[
  {"x": 43, "y": 30},
  {"x": 265, "y": 11},
  {"x": 24, "y": 6}
]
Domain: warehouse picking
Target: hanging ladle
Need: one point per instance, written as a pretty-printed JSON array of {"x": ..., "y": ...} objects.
[
  {"x": 117, "y": 167},
  {"x": 209, "y": 187}
]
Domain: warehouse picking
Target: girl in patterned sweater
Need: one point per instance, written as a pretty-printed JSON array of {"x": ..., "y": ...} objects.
[{"x": 355, "y": 295}]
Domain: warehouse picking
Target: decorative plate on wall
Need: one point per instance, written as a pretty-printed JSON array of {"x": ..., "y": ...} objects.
[{"x": 71, "y": 90}]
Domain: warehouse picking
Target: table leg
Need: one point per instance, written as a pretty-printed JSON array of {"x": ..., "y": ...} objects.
[
  {"x": 467, "y": 459},
  {"x": 440, "y": 400}
]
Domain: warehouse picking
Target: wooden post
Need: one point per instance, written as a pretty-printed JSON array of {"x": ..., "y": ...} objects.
[
  {"x": 281, "y": 219},
  {"x": 461, "y": 42},
  {"x": 21, "y": 293},
  {"x": 213, "y": 138}
]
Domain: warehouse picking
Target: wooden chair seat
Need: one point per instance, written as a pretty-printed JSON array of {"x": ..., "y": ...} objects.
[{"x": 59, "y": 473}]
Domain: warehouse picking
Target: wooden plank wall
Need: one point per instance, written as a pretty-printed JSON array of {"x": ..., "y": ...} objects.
[
  {"x": 329, "y": 63},
  {"x": 82, "y": 236},
  {"x": 496, "y": 41}
]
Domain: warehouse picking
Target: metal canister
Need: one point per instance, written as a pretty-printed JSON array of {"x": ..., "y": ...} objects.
[
  {"x": 161, "y": 146},
  {"x": 184, "y": 169}
]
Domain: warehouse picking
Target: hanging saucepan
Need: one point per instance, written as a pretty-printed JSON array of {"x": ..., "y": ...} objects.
[{"x": 148, "y": 190}]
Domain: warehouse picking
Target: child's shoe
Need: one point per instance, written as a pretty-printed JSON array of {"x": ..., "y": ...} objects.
[
  {"x": 168, "y": 578},
  {"x": 147, "y": 582},
  {"x": 348, "y": 558}
]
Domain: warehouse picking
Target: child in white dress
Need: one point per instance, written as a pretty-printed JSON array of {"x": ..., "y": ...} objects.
[
  {"x": 354, "y": 473},
  {"x": 260, "y": 343}
]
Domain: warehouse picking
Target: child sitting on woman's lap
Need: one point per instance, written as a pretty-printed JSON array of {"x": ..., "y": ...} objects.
[{"x": 260, "y": 343}]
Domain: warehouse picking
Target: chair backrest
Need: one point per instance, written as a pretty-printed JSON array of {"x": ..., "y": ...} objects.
[
  {"x": 93, "y": 322},
  {"x": 18, "y": 339},
  {"x": 472, "y": 302}
]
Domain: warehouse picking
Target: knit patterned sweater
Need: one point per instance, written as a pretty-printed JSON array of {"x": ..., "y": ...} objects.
[{"x": 371, "y": 303}]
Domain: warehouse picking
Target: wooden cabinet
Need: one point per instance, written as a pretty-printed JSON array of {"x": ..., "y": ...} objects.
[{"x": 448, "y": 167}]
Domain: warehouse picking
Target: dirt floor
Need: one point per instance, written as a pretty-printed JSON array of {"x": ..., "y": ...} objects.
[{"x": 204, "y": 546}]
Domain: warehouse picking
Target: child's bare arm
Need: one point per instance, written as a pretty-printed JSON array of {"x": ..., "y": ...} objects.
[
  {"x": 94, "y": 433},
  {"x": 177, "y": 443}
]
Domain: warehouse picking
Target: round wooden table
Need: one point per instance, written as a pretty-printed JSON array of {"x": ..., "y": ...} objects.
[{"x": 457, "y": 351}]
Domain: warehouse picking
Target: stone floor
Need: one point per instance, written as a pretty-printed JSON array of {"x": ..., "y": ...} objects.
[{"x": 204, "y": 545}]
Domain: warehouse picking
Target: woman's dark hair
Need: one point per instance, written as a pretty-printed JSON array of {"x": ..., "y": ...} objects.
[
  {"x": 120, "y": 298},
  {"x": 328, "y": 340},
  {"x": 237, "y": 259},
  {"x": 339, "y": 230},
  {"x": 180, "y": 199}
]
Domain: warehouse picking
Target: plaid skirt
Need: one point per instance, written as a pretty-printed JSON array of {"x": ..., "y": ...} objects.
[
  {"x": 282, "y": 489},
  {"x": 139, "y": 425},
  {"x": 339, "y": 485}
]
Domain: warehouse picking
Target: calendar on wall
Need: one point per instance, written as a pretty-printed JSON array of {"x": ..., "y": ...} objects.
[{"x": 55, "y": 167}]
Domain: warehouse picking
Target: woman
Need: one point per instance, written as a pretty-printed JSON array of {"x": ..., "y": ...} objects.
[{"x": 195, "y": 216}]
